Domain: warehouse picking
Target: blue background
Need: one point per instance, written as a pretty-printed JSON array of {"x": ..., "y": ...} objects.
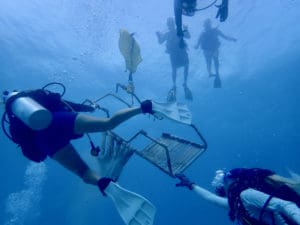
[{"x": 253, "y": 121}]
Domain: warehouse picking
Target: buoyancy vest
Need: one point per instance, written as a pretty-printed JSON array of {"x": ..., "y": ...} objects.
[{"x": 255, "y": 178}]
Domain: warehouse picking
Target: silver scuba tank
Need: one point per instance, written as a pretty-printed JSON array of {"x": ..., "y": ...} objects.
[{"x": 31, "y": 112}]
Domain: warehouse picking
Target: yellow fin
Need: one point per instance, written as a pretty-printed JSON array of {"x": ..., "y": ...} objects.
[{"x": 130, "y": 50}]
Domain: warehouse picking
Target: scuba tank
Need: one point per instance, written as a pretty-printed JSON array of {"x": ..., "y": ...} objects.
[{"x": 30, "y": 112}]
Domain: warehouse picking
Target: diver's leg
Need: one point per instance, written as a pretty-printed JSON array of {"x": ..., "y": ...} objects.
[
  {"x": 186, "y": 73},
  {"x": 216, "y": 61},
  {"x": 70, "y": 159},
  {"x": 171, "y": 97},
  {"x": 187, "y": 92},
  {"x": 208, "y": 59},
  {"x": 112, "y": 159},
  {"x": 174, "y": 75}
]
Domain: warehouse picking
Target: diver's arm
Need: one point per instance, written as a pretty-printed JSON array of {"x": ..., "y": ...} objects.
[
  {"x": 228, "y": 38},
  {"x": 211, "y": 197},
  {"x": 205, "y": 194},
  {"x": 178, "y": 16},
  {"x": 161, "y": 37},
  {"x": 89, "y": 124}
]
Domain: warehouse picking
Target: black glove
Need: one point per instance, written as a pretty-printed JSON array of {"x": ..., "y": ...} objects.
[
  {"x": 146, "y": 106},
  {"x": 184, "y": 181},
  {"x": 103, "y": 183}
]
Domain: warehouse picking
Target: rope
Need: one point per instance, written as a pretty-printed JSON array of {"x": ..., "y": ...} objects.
[{"x": 206, "y": 7}]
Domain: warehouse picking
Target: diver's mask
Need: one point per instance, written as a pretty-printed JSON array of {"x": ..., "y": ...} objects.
[{"x": 218, "y": 183}]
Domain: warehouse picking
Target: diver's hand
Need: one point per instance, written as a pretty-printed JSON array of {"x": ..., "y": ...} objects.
[
  {"x": 146, "y": 106},
  {"x": 184, "y": 181}
]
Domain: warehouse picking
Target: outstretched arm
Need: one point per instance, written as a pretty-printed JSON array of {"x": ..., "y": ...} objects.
[
  {"x": 228, "y": 38},
  {"x": 89, "y": 124},
  {"x": 211, "y": 197},
  {"x": 203, "y": 193},
  {"x": 161, "y": 37}
]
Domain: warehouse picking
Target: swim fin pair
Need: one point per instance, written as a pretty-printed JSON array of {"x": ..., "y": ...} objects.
[
  {"x": 171, "y": 97},
  {"x": 133, "y": 208}
]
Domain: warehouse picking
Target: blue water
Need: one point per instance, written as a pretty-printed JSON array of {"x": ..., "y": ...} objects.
[{"x": 253, "y": 121}]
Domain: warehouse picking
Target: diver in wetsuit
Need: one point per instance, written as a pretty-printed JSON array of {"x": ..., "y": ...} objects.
[
  {"x": 178, "y": 57},
  {"x": 254, "y": 196}
]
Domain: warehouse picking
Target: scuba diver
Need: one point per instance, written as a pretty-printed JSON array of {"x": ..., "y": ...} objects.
[
  {"x": 188, "y": 8},
  {"x": 210, "y": 44},
  {"x": 42, "y": 123},
  {"x": 178, "y": 57},
  {"x": 253, "y": 196}
]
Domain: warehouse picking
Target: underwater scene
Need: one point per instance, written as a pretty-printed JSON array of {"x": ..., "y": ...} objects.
[{"x": 224, "y": 91}]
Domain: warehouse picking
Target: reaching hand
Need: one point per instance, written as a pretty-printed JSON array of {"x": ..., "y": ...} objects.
[{"x": 184, "y": 181}]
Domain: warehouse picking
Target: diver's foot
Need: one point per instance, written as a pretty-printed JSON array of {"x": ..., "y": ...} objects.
[
  {"x": 172, "y": 95},
  {"x": 217, "y": 82},
  {"x": 113, "y": 156},
  {"x": 187, "y": 92}
]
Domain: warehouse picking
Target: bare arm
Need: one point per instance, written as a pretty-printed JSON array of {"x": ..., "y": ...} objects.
[
  {"x": 87, "y": 124},
  {"x": 211, "y": 197},
  {"x": 161, "y": 37},
  {"x": 228, "y": 38},
  {"x": 203, "y": 193}
]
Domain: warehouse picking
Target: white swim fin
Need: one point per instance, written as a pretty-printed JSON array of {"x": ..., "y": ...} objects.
[
  {"x": 133, "y": 208},
  {"x": 174, "y": 111}
]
